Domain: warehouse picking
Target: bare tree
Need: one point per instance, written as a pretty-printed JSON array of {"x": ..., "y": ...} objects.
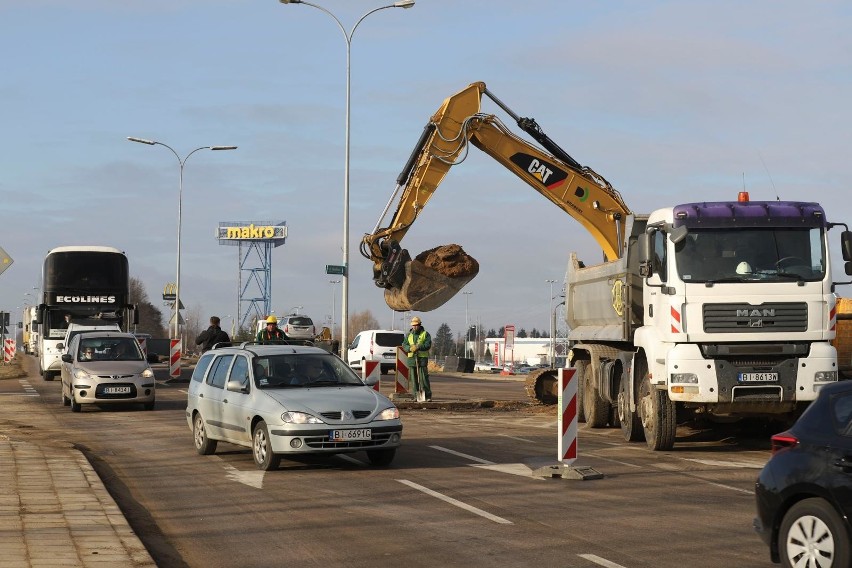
[
  {"x": 360, "y": 321},
  {"x": 192, "y": 327},
  {"x": 150, "y": 316}
]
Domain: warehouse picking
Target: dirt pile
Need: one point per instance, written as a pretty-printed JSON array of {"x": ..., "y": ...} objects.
[{"x": 449, "y": 260}]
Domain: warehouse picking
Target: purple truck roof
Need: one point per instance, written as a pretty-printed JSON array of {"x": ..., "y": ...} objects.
[{"x": 749, "y": 214}]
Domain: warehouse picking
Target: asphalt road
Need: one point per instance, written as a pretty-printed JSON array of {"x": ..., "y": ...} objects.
[{"x": 460, "y": 491}]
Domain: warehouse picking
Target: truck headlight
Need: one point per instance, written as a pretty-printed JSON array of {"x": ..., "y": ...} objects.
[
  {"x": 690, "y": 378},
  {"x": 825, "y": 376}
]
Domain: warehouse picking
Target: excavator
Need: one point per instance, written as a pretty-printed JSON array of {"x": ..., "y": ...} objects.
[{"x": 429, "y": 280}]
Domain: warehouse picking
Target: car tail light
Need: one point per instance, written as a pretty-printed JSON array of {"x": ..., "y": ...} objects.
[{"x": 783, "y": 441}]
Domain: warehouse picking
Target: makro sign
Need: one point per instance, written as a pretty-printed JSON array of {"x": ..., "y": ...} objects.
[{"x": 253, "y": 232}]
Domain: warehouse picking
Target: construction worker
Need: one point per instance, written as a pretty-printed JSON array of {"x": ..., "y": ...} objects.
[
  {"x": 418, "y": 342},
  {"x": 272, "y": 333}
]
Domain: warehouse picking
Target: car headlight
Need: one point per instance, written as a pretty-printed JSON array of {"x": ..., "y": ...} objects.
[
  {"x": 300, "y": 418},
  {"x": 147, "y": 373},
  {"x": 825, "y": 376},
  {"x": 690, "y": 378},
  {"x": 81, "y": 374},
  {"x": 391, "y": 413}
]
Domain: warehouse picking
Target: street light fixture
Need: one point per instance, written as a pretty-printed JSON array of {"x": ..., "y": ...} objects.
[
  {"x": 550, "y": 317},
  {"x": 181, "y": 162},
  {"x": 344, "y": 304}
]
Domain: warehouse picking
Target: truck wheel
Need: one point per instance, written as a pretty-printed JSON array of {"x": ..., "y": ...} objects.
[
  {"x": 631, "y": 426},
  {"x": 657, "y": 414},
  {"x": 595, "y": 408}
]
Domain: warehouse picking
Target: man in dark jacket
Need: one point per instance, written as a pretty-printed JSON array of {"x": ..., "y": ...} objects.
[{"x": 212, "y": 335}]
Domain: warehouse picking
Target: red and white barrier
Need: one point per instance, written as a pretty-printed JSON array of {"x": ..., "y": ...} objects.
[
  {"x": 8, "y": 350},
  {"x": 567, "y": 446},
  {"x": 371, "y": 369},
  {"x": 143, "y": 343},
  {"x": 402, "y": 373},
  {"x": 174, "y": 358}
]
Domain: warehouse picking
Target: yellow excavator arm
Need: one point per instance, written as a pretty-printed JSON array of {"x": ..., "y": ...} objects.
[{"x": 424, "y": 285}]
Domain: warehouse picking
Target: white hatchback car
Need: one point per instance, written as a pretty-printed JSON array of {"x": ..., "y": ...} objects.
[
  {"x": 106, "y": 367},
  {"x": 288, "y": 399}
]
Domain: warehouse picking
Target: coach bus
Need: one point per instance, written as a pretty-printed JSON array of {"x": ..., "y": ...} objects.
[{"x": 88, "y": 285}]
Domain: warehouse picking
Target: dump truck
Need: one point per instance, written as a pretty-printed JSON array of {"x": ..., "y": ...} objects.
[{"x": 716, "y": 310}]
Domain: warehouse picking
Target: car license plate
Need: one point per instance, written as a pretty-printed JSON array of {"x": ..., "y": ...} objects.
[
  {"x": 389, "y": 355},
  {"x": 350, "y": 435},
  {"x": 757, "y": 377},
  {"x": 117, "y": 390}
]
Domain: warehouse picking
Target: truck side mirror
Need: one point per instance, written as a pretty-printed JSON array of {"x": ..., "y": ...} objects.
[
  {"x": 846, "y": 246},
  {"x": 646, "y": 268}
]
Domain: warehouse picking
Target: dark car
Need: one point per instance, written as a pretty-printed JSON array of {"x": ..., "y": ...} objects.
[{"x": 804, "y": 492}]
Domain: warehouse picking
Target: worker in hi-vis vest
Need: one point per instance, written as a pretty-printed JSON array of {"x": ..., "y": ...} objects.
[{"x": 417, "y": 343}]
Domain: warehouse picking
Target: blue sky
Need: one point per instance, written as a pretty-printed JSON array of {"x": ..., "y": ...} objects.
[{"x": 670, "y": 101}]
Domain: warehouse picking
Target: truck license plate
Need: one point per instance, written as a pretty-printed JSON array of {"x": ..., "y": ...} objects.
[
  {"x": 117, "y": 390},
  {"x": 757, "y": 377},
  {"x": 350, "y": 435}
]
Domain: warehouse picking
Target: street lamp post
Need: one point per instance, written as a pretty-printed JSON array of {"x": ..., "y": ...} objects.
[
  {"x": 550, "y": 317},
  {"x": 181, "y": 162},
  {"x": 344, "y": 303},
  {"x": 333, "y": 303}
]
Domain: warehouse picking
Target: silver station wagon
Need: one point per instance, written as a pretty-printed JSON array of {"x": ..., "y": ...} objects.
[{"x": 288, "y": 399}]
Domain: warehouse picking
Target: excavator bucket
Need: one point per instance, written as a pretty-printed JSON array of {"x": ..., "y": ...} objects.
[{"x": 431, "y": 279}]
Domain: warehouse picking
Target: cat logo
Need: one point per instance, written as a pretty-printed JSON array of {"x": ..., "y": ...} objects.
[{"x": 547, "y": 174}]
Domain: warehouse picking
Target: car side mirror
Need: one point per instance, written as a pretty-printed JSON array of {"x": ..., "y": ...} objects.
[
  {"x": 236, "y": 386},
  {"x": 66, "y": 358}
]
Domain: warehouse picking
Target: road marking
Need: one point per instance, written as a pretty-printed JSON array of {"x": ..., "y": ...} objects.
[
  {"x": 461, "y": 455},
  {"x": 600, "y": 561},
  {"x": 17, "y": 394},
  {"x": 511, "y": 468},
  {"x": 597, "y": 457},
  {"x": 350, "y": 459},
  {"x": 250, "y": 478},
  {"x": 673, "y": 469},
  {"x": 516, "y": 438},
  {"x": 720, "y": 463},
  {"x": 456, "y": 502}
]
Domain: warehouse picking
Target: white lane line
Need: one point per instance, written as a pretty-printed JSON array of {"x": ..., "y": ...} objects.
[
  {"x": 600, "y": 561},
  {"x": 456, "y": 502},
  {"x": 250, "y": 478},
  {"x": 18, "y": 394},
  {"x": 597, "y": 457},
  {"x": 511, "y": 468},
  {"x": 461, "y": 455},
  {"x": 516, "y": 438},
  {"x": 721, "y": 463},
  {"x": 673, "y": 469}
]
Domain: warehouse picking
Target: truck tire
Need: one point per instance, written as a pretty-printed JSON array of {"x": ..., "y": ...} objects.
[
  {"x": 657, "y": 414},
  {"x": 595, "y": 408},
  {"x": 631, "y": 426}
]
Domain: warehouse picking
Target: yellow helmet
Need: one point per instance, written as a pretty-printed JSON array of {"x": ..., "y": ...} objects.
[
  {"x": 272, "y": 319},
  {"x": 415, "y": 320}
]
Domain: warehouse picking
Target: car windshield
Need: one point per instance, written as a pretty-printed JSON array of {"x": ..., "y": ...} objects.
[
  {"x": 303, "y": 370},
  {"x": 109, "y": 349},
  {"x": 751, "y": 255}
]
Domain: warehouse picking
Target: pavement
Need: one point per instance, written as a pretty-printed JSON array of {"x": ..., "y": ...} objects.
[{"x": 55, "y": 510}]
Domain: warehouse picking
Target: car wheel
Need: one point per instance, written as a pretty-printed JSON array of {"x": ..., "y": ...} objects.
[
  {"x": 75, "y": 406},
  {"x": 631, "y": 426},
  {"x": 812, "y": 534},
  {"x": 381, "y": 458},
  {"x": 595, "y": 408},
  {"x": 657, "y": 413},
  {"x": 203, "y": 445},
  {"x": 261, "y": 448}
]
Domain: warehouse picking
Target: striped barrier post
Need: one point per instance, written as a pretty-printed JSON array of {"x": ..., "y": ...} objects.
[
  {"x": 567, "y": 446},
  {"x": 174, "y": 358},
  {"x": 8, "y": 350},
  {"x": 372, "y": 369},
  {"x": 402, "y": 380}
]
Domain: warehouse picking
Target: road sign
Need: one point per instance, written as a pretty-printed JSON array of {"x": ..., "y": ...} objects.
[
  {"x": 5, "y": 261},
  {"x": 180, "y": 319},
  {"x": 335, "y": 269}
]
